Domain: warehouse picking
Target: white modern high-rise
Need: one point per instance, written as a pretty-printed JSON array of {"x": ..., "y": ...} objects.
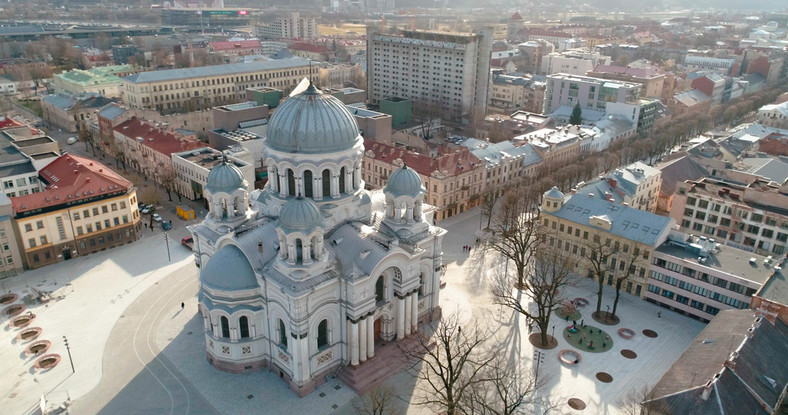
[
  {"x": 291, "y": 26},
  {"x": 448, "y": 71},
  {"x": 591, "y": 93}
]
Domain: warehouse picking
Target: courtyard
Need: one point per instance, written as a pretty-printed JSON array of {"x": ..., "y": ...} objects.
[{"x": 129, "y": 337}]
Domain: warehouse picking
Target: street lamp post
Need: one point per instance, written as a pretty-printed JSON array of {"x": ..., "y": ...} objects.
[
  {"x": 553, "y": 330},
  {"x": 608, "y": 312},
  {"x": 68, "y": 349},
  {"x": 167, "y": 241}
]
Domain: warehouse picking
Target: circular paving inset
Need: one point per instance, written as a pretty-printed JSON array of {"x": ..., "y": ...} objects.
[
  {"x": 23, "y": 321},
  {"x": 604, "y": 377},
  {"x": 38, "y": 347},
  {"x": 29, "y": 334},
  {"x": 629, "y": 354},
  {"x": 626, "y": 333},
  {"x": 650, "y": 333},
  {"x": 14, "y": 310},
  {"x": 47, "y": 361},
  {"x": 577, "y": 404},
  {"x": 8, "y": 298}
]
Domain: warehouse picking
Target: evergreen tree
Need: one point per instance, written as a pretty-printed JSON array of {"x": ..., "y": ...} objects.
[{"x": 577, "y": 115}]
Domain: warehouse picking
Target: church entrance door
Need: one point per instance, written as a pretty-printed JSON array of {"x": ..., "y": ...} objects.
[
  {"x": 378, "y": 325},
  {"x": 66, "y": 254}
]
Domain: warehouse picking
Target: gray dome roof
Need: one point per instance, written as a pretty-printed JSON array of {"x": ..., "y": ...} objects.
[
  {"x": 225, "y": 177},
  {"x": 312, "y": 122},
  {"x": 554, "y": 193},
  {"x": 404, "y": 182},
  {"x": 228, "y": 270},
  {"x": 300, "y": 214}
]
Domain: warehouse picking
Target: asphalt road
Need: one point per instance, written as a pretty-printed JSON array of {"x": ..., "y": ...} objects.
[{"x": 136, "y": 377}]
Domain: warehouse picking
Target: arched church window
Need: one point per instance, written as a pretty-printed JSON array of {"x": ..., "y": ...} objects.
[
  {"x": 225, "y": 327},
  {"x": 299, "y": 250},
  {"x": 291, "y": 187},
  {"x": 379, "y": 289},
  {"x": 243, "y": 323},
  {"x": 326, "y": 183},
  {"x": 308, "y": 183},
  {"x": 342, "y": 180},
  {"x": 282, "y": 334},
  {"x": 422, "y": 286},
  {"x": 322, "y": 334}
]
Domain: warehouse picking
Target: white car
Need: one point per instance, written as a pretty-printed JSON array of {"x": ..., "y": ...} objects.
[
  {"x": 71, "y": 140},
  {"x": 156, "y": 217},
  {"x": 145, "y": 211}
]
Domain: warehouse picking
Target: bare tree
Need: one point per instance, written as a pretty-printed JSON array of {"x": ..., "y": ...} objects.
[
  {"x": 515, "y": 226},
  {"x": 546, "y": 278},
  {"x": 453, "y": 361},
  {"x": 637, "y": 400},
  {"x": 168, "y": 182},
  {"x": 378, "y": 401},
  {"x": 629, "y": 262},
  {"x": 508, "y": 390},
  {"x": 597, "y": 254},
  {"x": 489, "y": 199}
]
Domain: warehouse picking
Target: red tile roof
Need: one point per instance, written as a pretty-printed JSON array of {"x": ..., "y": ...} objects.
[
  {"x": 452, "y": 162},
  {"x": 241, "y": 44},
  {"x": 71, "y": 178},
  {"x": 516, "y": 16},
  {"x": 9, "y": 123},
  {"x": 309, "y": 47},
  {"x": 161, "y": 141}
]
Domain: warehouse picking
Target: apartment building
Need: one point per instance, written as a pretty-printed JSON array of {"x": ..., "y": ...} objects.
[
  {"x": 10, "y": 258},
  {"x": 511, "y": 93},
  {"x": 504, "y": 162},
  {"x": 454, "y": 180},
  {"x": 750, "y": 217},
  {"x": 698, "y": 277},
  {"x": 290, "y": 26},
  {"x": 554, "y": 145},
  {"x": 591, "y": 93},
  {"x": 85, "y": 208},
  {"x": 446, "y": 71},
  {"x": 774, "y": 115},
  {"x": 192, "y": 168},
  {"x": 636, "y": 185},
  {"x": 148, "y": 148},
  {"x": 71, "y": 112},
  {"x": 651, "y": 78},
  {"x": 574, "y": 62},
  {"x": 179, "y": 90},
  {"x": 23, "y": 150},
  {"x": 724, "y": 66},
  {"x": 582, "y": 223}
]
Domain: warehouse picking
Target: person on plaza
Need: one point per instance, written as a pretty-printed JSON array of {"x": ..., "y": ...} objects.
[
  {"x": 566, "y": 318},
  {"x": 604, "y": 344},
  {"x": 182, "y": 305},
  {"x": 582, "y": 323},
  {"x": 591, "y": 344},
  {"x": 659, "y": 314},
  {"x": 580, "y": 341}
]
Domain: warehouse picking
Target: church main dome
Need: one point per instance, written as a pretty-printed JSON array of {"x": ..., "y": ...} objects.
[
  {"x": 225, "y": 177},
  {"x": 312, "y": 122}
]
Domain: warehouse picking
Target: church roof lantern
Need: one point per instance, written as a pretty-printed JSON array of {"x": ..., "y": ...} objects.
[
  {"x": 228, "y": 270},
  {"x": 225, "y": 177},
  {"x": 404, "y": 182},
  {"x": 300, "y": 214}
]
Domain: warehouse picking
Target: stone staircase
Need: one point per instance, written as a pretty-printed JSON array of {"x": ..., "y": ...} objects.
[{"x": 389, "y": 360}]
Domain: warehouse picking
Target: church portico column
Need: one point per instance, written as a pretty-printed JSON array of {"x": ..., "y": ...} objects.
[
  {"x": 400, "y": 318},
  {"x": 282, "y": 184},
  {"x": 408, "y": 308},
  {"x": 353, "y": 343},
  {"x": 348, "y": 180},
  {"x": 306, "y": 253},
  {"x": 334, "y": 185},
  {"x": 370, "y": 336},
  {"x": 409, "y": 214},
  {"x": 362, "y": 340},
  {"x": 414, "y": 319},
  {"x": 417, "y": 214},
  {"x": 356, "y": 177}
]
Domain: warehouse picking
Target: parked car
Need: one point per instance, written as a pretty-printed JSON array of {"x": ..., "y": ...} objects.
[
  {"x": 188, "y": 242},
  {"x": 145, "y": 210},
  {"x": 166, "y": 225},
  {"x": 71, "y": 140},
  {"x": 156, "y": 217}
]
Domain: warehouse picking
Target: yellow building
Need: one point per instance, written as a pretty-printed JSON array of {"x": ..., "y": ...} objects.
[
  {"x": 581, "y": 224},
  {"x": 85, "y": 208}
]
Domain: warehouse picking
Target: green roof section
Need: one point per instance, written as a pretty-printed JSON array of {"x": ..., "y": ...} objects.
[{"x": 96, "y": 76}]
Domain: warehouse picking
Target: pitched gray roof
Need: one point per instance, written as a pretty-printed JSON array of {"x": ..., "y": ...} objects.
[
  {"x": 679, "y": 170},
  {"x": 111, "y": 111},
  {"x": 215, "y": 70},
  {"x": 627, "y": 222}
]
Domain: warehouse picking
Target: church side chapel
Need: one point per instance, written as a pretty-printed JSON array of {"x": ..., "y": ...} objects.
[{"x": 313, "y": 272}]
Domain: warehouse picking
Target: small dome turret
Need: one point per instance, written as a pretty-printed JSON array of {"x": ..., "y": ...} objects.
[
  {"x": 404, "y": 182},
  {"x": 300, "y": 214},
  {"x": 225, "y": 178},
  {"x": 228, "y": 270},
  {"x": 552, "y": 200}
]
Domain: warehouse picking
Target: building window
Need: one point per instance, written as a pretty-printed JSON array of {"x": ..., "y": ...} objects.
[
  {"x": 104, "y": 209},
  {"x": 225, "y": 327},
  {"x": 243, "y": 324},
  {"x": 40, "y": 224},
  {"x": 322, "y": 334},
  {"x": 379, "y": 293},
  {"x": 32, "y": 242},
  {"x": 28, "y": 227},
  {"x": 43, "y": 240},
  {"x": 282, "y": 334}
]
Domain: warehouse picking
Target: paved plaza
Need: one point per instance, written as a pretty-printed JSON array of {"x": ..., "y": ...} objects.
[{"x": 129, "y": 337}]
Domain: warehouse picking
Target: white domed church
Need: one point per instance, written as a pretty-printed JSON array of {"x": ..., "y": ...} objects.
[{"x": 313, "y": 271}]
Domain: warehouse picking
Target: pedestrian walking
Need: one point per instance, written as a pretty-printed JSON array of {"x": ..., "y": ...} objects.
[
  {"x": 604, "y": 344},
  {"x": 469, "y": 249},
  {"x": 659, "y": 314},
  {"x": 146, "y": 226},
  {"x": 182, "y": 305},
  {"x": 566, "y": 318},
  {"x": 582, "y": 323}
]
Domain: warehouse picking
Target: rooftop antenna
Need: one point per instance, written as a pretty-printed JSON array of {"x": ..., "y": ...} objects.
[{"x": 310, "y": 72}]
